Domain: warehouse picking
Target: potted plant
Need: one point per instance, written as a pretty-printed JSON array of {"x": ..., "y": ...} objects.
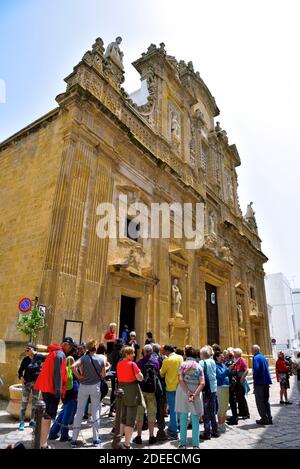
[{"x": 30, "y": 324}]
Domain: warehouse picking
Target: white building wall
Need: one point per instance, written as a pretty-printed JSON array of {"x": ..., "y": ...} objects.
[
  {"x": 140, "y": 96},
  {"x": 283, "y": 326},
  {"x": 296, "y": 303}
]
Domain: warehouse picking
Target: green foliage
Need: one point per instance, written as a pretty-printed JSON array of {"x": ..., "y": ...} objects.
[{"x": 31, "y": 323}]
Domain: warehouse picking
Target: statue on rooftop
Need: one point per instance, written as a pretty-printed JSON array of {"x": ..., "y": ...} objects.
[
  {"x": 250, "y": 212},
  {"x": 114, "y": 52}
]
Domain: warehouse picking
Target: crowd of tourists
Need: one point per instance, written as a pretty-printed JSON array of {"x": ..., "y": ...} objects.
[{"x": 186, "y": 386}]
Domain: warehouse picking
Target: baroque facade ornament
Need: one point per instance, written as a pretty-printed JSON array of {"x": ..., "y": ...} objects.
[{"x": 225, "y": 253}]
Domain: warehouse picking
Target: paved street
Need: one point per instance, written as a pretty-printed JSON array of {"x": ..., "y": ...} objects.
[{"x": 283, "y": 434}]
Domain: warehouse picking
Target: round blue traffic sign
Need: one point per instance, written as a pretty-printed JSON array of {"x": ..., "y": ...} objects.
[{"x": 25, "y": 305}]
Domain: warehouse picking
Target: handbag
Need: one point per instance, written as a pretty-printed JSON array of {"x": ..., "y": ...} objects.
[
  {"x": 246, "y": 386},
  {"x": 103, "y": 383}
]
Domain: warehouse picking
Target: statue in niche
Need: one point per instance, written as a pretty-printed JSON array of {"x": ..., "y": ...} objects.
[
  {"x": 175, "y": 126},
  {"x": 240, "y": 313},
  {"x": 230, "y": 190},
  {"x": 193, "y": 146},
  {"x": 114, "y": 52},
  {"x": 176, "y": 300},
  {"x": 212, "y": 223}
]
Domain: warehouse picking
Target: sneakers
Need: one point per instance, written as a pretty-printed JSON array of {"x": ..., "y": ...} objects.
[
  {"x": 288, "y": 403},
  {"x": 281, "y": 402},
  {"x": 152, "y": 440},
  {"x": 97, "y": 442},
  {"x": 73, "y": 443},
  {"x": 215, "y": 435},
  {"x": 138, "y": 440},
  {"x": 204, "y": 436},
  {"x": 21, "y": 426},
  {"x": 182, "y": 447},
  {"x": 32, "y": 423}
]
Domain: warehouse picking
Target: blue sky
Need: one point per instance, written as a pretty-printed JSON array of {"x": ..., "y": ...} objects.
[{"x": 247, "y": 53}]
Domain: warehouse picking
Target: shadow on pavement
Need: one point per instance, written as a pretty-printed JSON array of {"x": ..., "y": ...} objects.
[{"x": 284, "y": 433}]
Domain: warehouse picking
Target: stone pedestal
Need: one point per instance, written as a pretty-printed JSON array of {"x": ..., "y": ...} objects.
[{"x": 179, "y": 332}]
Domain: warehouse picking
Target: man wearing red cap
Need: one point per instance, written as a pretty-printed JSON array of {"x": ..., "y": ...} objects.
[{"x": 52, "y": 383}]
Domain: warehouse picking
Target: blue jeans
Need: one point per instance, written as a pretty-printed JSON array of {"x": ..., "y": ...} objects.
[
  {"x": 184, "y": 425},
  {"x": 173, "y": 424},
  {"x": 210, "y": 410},
  {"x": 64, "y": 418}
]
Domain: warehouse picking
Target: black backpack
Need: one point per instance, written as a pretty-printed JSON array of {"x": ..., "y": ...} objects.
[
  {"x": 151, "y": 382},
  {"x": 206, "y": 391}
]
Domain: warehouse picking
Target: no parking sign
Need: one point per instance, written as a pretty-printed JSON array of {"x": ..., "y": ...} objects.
[{"x": 25, "y": 305}]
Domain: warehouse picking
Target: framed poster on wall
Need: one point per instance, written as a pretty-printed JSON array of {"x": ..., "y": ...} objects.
[{"x": 73, "y": 329}]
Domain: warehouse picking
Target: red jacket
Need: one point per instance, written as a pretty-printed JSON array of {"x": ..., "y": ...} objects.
[
  {"x": 281, "y": 367},
  {"x": 53, "y": 376}
]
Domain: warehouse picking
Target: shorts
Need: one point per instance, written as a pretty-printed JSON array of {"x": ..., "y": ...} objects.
[
  {"x": 128, "y": 415},
  {"x": 151, "y": 407},
  {"x": 223, "y": 399},
  {"x": 284, "y": 381},
  {"x": 51, "y": 405}
]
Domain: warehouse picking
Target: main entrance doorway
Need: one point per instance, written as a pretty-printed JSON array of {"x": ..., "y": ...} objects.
[
  {"x": 127, "y": 313},
  {"x": 212, "y": 316}
]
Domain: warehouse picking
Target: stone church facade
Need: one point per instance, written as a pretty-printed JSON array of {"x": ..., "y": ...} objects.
[{"x": 158, "y": 145}]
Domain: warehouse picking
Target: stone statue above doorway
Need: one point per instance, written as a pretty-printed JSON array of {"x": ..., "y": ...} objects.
[{"x": 176, "y": 300}]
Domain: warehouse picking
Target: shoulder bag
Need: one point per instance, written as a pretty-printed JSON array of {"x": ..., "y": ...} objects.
[{"x": 103, "y": 383}]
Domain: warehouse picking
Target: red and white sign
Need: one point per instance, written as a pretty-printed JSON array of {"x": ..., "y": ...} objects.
[{"x": 25, "y": 305}]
